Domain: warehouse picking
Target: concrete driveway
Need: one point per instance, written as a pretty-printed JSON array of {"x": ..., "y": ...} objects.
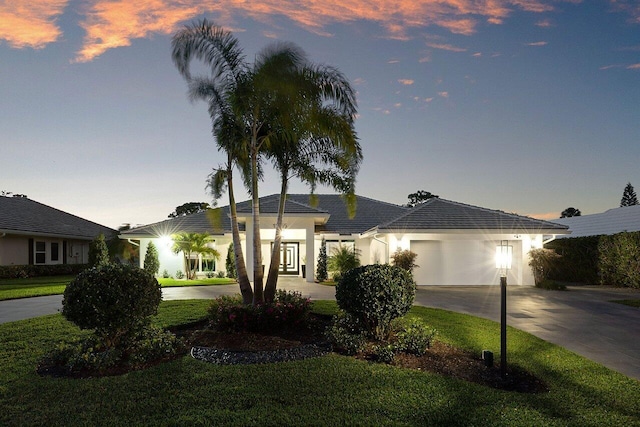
[{"x": 582, "y": 320}]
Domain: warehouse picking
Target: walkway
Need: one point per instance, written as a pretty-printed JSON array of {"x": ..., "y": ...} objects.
[{"x": 582, "y": 320}]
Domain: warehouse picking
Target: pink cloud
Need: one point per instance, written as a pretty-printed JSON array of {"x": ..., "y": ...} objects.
[
  {"x": 30, "y": 23},
  {"x": 406, "y": 82},
  {"x": 448, "y": 47},
  {"x": 541, "y": 43},
  {"x": 633, "y": 67}
]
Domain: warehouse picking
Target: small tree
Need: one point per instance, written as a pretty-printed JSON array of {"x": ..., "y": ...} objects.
[
  {"x": 98, "y": 252},
  {"x": 570, "y": 212},
  {"x": 405, "y": 259},
  {"x": 151, "y": 262},
  {"x": 321, "y": 269},
  {"x": 191, "y": 245},
  {"x": 230, "y": 262},
  {"x": 541, "y": 263},
  {"x": 189, "y": 208},
  {"x": 629, "y": 197},
  {"x": 342, "y": 259}
]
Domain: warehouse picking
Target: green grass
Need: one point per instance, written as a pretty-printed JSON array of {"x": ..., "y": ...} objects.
[
  {"x": 331, "y": 390},
  {"x": 629, "y": 302},
  {"x": 55, "y": 285},
  {"x": 33, "y": 287}
]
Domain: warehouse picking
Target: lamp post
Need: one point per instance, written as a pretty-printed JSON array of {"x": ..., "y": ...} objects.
[{"x": 504, "y": 255}]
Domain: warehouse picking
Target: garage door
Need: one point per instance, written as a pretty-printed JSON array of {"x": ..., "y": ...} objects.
[{"x": 429, "y": 260}]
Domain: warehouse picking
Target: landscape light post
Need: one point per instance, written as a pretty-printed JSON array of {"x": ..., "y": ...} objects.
[{"x": 504, "y": 255}]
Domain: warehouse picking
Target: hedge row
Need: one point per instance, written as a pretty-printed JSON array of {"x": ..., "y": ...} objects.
[
  {"x": 578, "y": 262},
  {"x": 608, "y": 260},
  {"x": 25, "y": 271}
]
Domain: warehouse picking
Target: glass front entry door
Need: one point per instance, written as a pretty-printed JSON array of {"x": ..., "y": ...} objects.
[{"x": 290, "y": 258}]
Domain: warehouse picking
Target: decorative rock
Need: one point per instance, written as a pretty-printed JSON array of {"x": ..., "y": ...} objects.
[{"x": 229, "y": 357}]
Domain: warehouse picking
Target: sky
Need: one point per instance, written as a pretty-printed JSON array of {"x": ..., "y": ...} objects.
[{"x": 526, "y": 106}]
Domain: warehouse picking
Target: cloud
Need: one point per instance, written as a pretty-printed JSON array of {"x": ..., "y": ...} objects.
[
  {"x": 634, "y": 67},
  {"x": 406, "y": 82},
  {"x": 114, "y": 23},
  {"x": 393, "y": 61},
  {"x": 544, "y": 23},
  {"x": 541, "y": 43},
  {"x": 448, "y": 47},
  {"x": 443, "y": 94},
  {"x": 545, "y": 215},
  {"x": 30, "y": 23}
]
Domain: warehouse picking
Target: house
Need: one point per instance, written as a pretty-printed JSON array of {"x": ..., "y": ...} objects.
[
  {"x": 455, "y": 243},
  {"x": 33, "y": 233},
  {"x": 617, "y": 220}
]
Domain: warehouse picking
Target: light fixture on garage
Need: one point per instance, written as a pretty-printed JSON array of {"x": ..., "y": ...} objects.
[{"x": 504, "y": 256}]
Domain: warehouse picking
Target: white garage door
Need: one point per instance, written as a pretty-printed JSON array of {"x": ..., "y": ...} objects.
[{"x": 429, "y": 260}]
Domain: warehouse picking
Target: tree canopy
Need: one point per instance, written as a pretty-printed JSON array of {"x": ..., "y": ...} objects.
[
  {"x": 419, "y": 196},
  {"x": 629, "y": 197},
  {"x": 569, "y": 212},
  {"x": 189, "y": 208}
]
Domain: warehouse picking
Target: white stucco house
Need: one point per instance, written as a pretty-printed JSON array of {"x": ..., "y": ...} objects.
[{"x": 455, "y": 242}]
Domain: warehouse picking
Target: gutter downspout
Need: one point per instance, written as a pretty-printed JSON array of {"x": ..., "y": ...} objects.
[
  {"x": 544, "y": 242},
  {"x": 386, "y": 247},
  {"x": 133, "y": 243}
]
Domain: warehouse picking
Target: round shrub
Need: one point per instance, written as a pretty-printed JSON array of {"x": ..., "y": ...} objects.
[
  {"x": 376, "y": 294},
  {"x": 114, "y": 300}
]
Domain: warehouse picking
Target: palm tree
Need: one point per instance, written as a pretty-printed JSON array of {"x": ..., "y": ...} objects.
[
  {"x": 193, "y": 244},
  {"x": 315, "y": 141},
  {"x": 219, "y": 50}
]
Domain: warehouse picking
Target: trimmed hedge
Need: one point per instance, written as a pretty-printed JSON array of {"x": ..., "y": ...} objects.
[
  {"x": 620, "y": 259},
  {"x": 578, "y": 262},
  {"x": 26, "y": 271}
]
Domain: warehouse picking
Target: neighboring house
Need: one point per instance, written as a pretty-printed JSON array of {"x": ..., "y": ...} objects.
[
  {"x": 617, "y": 220},
  {"x": 455, "y": 243},
  {"x": 33, "y": 233}
]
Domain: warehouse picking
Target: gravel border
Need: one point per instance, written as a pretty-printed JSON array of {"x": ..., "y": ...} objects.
[{"x": 229, "y": 357}]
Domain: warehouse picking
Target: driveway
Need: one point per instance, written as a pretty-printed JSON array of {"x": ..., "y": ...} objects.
[{"x": 582, "y": 320}]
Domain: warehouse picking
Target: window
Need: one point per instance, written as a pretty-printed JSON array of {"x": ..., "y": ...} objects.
[
  {"x": 55, "y": 252},
  {"x": 335, "y": 244},
  {"x": 41, "y": 253}
]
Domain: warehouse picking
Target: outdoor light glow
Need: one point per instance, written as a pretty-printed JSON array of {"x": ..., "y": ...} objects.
[
  {"x": 504, "y": 256},
  {"x": 165, "y": 241}
]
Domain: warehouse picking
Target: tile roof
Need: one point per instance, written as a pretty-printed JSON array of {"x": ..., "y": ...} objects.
[
  {"x": 613, "y": 221},
  {"x": 435, "y": 214},
  {"x": 441, "y": 214},
  {"x": 24, "y": 216}
]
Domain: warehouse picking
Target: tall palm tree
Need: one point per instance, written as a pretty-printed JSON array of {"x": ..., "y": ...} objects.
[
  {"x": 219, "y": 50},
  {"x": 190, "y": 245},
  {"x": 316, "y": 142}
]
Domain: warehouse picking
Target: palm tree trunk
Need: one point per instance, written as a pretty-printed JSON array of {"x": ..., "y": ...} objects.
[
  {"x": 274, "y": 267},
  {"x": 241, "y": 268},
  {"x": 258, "y": 294}
]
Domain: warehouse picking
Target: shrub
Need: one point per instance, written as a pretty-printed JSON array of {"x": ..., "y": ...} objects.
[
  {"x": 98, "y": 252},
  {"x": 229, "y": 313},
  {"x": 551, "y": 285},
  {"x": 405, "y": 259},
  {"x": 321, "y": 268},
  {"x": 415, "y": 338},
  {"x": 179, "y": 274},
  {"x": 385, "y": 353},
  {"x": 579, "y": 262},
  {"x": 343, "y": 258},
  {"x": 151, "y": 262},
  {"x": 220, "y": 275},
  {"x": 26, "y": 271},
  {"x": 165, "y": 274},
  {"x": 115, "y": 301},
  {"x": 620, "y": 259},
  {"x": 346, "y": 334},
  {"x": 230, "y": 262},
  {"x": 376, "y": 294},
  {"x": 541, "y": 262}
]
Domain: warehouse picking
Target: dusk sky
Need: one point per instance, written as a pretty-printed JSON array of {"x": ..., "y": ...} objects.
[{"x": 524, "y": 106}]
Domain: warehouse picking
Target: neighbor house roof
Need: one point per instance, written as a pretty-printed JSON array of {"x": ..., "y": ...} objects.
[
  {"x": 613, "y": 221},
  {"x": 20, "y": 215},
  {"x": 444, "y": 215}
]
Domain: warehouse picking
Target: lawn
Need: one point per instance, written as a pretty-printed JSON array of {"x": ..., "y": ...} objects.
[
  {"x": 330, "y": 390},
  {"x": 629, "y": 302},
  {"x": 55, "y": 285}
]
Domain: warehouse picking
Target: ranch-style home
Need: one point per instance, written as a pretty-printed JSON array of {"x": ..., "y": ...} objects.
[
  {"x": 35, "y": 234},
  {"x": 456, "y": 243}
]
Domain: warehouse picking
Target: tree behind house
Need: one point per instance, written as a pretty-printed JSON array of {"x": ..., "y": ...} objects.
[
  {"x": 570, "y": 212},
  {"x": 629, "y": 197}
]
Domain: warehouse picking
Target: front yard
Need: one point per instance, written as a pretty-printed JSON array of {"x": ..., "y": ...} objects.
[{"x": 329, "y": 390}]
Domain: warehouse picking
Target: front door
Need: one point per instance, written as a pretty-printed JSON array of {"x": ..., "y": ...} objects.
[{"x": 289, "y": 258}]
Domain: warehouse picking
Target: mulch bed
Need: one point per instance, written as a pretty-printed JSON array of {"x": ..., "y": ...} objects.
[{"x": 297, "y": 343}]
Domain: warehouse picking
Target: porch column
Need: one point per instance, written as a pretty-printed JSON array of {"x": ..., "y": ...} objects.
[{"x": 311, "y": 253}]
